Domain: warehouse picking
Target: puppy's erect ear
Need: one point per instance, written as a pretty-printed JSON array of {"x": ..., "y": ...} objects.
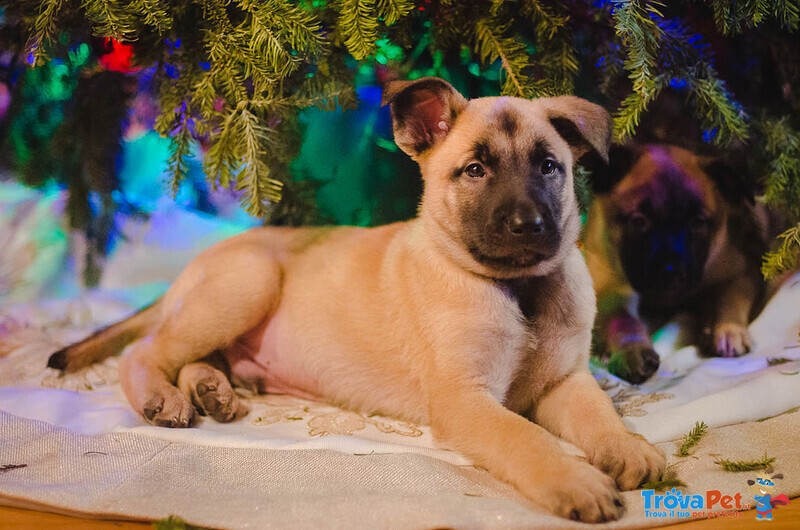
[
  {"x": 423, "y": 112},
  {"x": 606, "y": 175},
  {"x": 584, "y": 125},
  {"x": 731, "y": 179}
]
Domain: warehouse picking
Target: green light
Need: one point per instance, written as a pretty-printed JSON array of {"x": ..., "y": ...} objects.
[{"x": 79, "y": 55}]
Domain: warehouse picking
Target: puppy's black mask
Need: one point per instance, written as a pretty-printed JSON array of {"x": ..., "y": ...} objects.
[{"x": 664, "y": 248}]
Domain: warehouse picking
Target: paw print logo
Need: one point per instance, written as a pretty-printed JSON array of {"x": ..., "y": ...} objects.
[{"x": 762, "y": 488}]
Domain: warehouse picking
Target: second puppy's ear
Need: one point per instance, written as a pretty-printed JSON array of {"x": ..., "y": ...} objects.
[
  {"x": 731, "y": 179},
  {"x": 423, "y": 112},
  {"x": 621, "y": 158}
]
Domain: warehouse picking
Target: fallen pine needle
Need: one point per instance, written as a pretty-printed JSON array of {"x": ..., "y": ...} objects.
[
  {"x": 745, "y": 465},
  {"x": 692, "y": 439}
]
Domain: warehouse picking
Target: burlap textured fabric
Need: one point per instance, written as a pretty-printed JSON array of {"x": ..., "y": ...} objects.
[{"x": 129, "y": 476}]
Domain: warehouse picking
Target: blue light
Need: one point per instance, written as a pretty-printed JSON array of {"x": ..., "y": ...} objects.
[
  {"x": 710, "y": 134},
  {"x": 678, "y": 82},
  {"x": 171, "y": 71}
]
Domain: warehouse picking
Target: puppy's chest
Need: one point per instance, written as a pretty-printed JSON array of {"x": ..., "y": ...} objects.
[
  {"x": 550, "y": 318},
  {"x": 544, "y": 303}
]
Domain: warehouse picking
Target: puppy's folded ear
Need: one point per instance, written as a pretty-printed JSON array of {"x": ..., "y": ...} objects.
[
  {"x": 584, "y": 125},
  {"x": 423, "y": 112}
]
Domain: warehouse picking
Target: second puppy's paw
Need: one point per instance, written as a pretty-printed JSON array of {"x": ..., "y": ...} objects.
[
  {"x": 635, "y": 362},
  {"x": 731, "y": 340}
]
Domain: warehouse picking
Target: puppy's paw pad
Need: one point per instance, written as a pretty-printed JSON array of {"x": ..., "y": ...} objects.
[
  {"x": 629, "y": 459},
  {"x": 170, "y": 409},
  {"x": 213, "y": 396},
  {"x": 731, "y": 340}
]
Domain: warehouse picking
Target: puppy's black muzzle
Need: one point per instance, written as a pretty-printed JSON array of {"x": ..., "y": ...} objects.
[{"x": 523, "y": 223}]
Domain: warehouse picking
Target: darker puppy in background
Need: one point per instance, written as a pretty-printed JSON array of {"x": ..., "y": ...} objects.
[
  {"x": 474, "y": 317},
  {"x": 679, "y": 235}
]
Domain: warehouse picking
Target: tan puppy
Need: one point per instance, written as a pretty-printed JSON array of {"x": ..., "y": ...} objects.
[{"x": 475, "y": 317}]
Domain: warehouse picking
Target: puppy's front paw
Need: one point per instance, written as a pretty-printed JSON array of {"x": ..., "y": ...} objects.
[
  {"x": 576, "y": 490},
  {"x": 635, "y": 362},
  {"x": 629, "y": 459},
  {"x": 731, "y": 340},
  {"x": 169, "y": 408}
]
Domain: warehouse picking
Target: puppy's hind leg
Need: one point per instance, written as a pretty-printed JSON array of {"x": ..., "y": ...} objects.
[{"x": 224, "y": 293}]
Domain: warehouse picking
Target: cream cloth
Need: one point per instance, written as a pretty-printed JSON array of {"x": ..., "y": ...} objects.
[{"x": 128, "y": 475}]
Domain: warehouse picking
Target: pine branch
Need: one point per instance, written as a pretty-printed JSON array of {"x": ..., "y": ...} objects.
[
  {"x": 154, "y": 14},
  {"x": 669, "y": 481},
  {"x": 491, "y": 46},
  {"x": 633, "y": 107},
  {"x": 788, "y": 14},
  {"x": 221, "y": 161},
  {"x": 736, "y": 466},
  {"x": 393, "y": 10},
  {"x": 692, "y": 439},
  {"x": 786, "y": 257},
  {"x": 782, "y": 183},
  {"x": 111, "y": 18},
  {"x": 718, "y": 109},
  {"x": 45, "y": 29},
  {"x": 734, "y": 17},
  {"x": 556, "y": 55},
  {"x": 639, "y": 32},
  {"x": 181, "y": 146},
  {"x": 359, "y": 27}
]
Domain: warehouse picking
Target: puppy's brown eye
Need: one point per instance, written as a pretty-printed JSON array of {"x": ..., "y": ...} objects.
[
  {"x": 699, "y": 223},
  {"x": 637, "y": 223},
  {"x": 549, "y": 166},
  {"x": 475, "y": 171}
]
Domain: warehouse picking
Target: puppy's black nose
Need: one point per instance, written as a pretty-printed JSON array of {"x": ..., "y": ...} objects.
[
  {"x": 519, "y": 223},
  {"x": 675, "y": 274}
]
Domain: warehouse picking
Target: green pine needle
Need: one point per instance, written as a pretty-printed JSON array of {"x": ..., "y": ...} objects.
[
  {"x": 692, "y": 439},
  {"x": 736, "y": 466},
  {"x": 775, "y": 361},
  {"x": 663, "y": 485},
  {"x": 786, "y": 257}
]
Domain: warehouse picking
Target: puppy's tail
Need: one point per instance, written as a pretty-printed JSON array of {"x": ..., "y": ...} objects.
[{"x": 105, "y": 342}]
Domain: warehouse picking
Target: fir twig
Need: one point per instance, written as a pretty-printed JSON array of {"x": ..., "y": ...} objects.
[
  {"x": 692, "y": 439},
  {"x": 45, "y": 29},
  {"x": 786, "y": 257},
  {"x": 775, "y": 361},
  {"x": 736, "y": 466},
  {"x": 669, "y": 481},
  {"x": 492, "y": 46},
  {"x": 173, "y": 522},
  {"x": 359, "y": 26}
]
